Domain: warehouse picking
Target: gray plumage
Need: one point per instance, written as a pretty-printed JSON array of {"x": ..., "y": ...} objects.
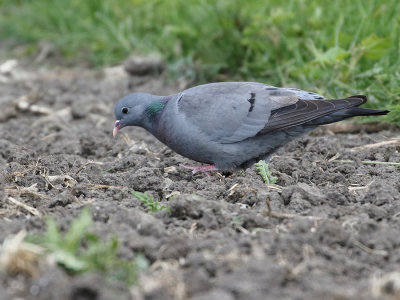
[{"x": 233, "y": 124}]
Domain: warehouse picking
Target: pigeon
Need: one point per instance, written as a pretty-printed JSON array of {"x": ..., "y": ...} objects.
[{"x": 232, "y": 125}]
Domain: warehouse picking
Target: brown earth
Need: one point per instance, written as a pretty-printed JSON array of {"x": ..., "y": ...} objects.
[{"x": 333, "y": 233}]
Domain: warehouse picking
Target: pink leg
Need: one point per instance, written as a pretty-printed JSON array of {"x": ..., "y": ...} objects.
[{"x": 203, "y": 169}]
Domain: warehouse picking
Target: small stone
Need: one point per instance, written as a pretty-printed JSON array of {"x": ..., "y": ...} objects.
[{"x": 144, "y": 65}]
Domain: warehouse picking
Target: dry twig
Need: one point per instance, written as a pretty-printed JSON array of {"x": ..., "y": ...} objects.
[
  {"x": 90, "y": 162},
  {"x": 28, "y": 208},
  {"x": 278, "y": 215},
  {"x": 395, "y": 141},
  {"x": 31, "y": 191},
  {"x": 371, "y": 251}
]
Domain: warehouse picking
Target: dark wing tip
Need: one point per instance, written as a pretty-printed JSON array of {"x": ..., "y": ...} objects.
[
  {"x": 366, "y": 111},
  {"x": 382, "y": 112},
  {"x": 360, "y": 111}
]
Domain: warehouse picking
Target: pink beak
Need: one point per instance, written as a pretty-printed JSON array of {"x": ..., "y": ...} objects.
[{"x": 117, "y": 126}]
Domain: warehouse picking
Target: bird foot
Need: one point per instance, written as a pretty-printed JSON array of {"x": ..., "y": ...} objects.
[{"x": 203, "y": 169}]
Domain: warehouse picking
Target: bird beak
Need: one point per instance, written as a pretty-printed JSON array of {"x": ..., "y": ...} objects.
[{"x": 117, "y": 126}]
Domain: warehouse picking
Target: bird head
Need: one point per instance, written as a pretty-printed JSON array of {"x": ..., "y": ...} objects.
[{"x": 129, "y": 110}]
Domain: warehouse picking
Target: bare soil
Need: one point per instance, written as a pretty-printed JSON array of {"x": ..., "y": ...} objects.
[{"x": 333, "y": 231}]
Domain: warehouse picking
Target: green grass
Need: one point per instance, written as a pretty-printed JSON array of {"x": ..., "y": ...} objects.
[
  {"x": 263, "y": 171},
  {"x": 148, "y": 201},
  {"x": 79, "y": 251},
  {"x": 337, "y": 48}
]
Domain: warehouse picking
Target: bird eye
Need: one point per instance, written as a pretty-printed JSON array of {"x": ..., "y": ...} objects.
[{"x": 124, "y": 110}]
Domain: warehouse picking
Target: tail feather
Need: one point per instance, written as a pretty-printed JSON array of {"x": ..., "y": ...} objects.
[{"x": 348, "y": 113}]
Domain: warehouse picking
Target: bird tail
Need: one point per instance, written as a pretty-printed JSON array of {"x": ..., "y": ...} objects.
[{"x": 349, "y": 113}]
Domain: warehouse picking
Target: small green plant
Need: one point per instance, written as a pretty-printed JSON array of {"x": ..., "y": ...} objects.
[
  {"x": 263, "y": 170},
  {"x": 236, "y": 221},
  {"x": 79, "y": 251},
  {"x": 148, "y": 201}
]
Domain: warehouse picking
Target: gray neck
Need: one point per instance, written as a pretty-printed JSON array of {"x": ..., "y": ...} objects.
[{"x": 152, "y": 114}]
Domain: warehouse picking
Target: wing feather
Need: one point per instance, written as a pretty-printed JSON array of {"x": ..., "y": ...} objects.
[{"x": 307, "y": 110}]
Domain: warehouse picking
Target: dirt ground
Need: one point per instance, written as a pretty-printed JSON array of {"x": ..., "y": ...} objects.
[{"x": 333, "y": 232}]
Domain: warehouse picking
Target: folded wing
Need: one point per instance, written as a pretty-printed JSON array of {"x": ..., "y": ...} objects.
[
  {"x": 304, "y": 111},
  {"x": 232, "y": 111}
]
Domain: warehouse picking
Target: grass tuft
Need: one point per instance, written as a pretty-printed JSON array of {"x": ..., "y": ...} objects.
[
  {"x": 79, "y": 251},
  {"x": 148, "y": 201}
]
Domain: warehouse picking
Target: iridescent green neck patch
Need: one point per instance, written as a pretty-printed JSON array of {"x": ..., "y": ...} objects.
[{"x": 153, "y": 109}]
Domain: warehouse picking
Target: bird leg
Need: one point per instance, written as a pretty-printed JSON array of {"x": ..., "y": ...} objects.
[{"x": 203, "y": 169}]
